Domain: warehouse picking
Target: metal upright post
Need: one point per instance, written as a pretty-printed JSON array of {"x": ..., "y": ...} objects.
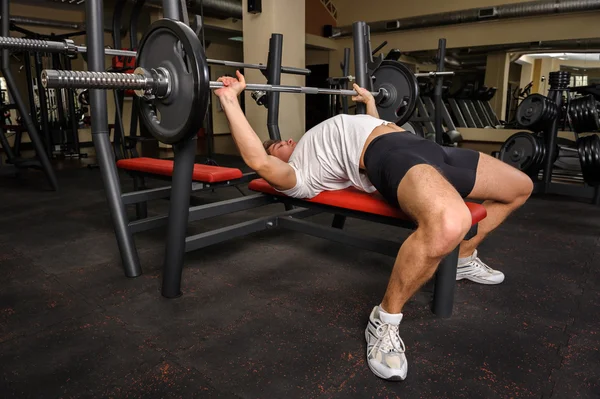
[
  {"x": 559, "y": 81},
  {"x": 274, "y": 78},
  {"x": 181, "y": 189},
  {"x": 28, "y": 74},
  {"x": 43, "y": 103},
  {"x": 71, "y": 103},
  {"x": 437, "y": 94},
  {"x": 12, "y": 86},
  {"x": 360, "y": 37},
  {"x": 106, "y": 161},
  {"x": 345, "y": 73}
]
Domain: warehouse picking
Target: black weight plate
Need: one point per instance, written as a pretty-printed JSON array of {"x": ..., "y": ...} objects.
[
  {"x": 595, "y": 155},
  {"x": 583, "y": 147},
  {"x": 595, "y": 114},
  {"x": 592, "y": 115},
  {"x": 590, "y": 172},
  {"x": 520, "y": 150},
  {"x": 531, "y": 111},
  {"x": 403, "y": 89},
  {"x": 174, "y": 46}
]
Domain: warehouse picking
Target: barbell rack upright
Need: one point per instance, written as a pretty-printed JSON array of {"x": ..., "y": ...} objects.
[
  {"x": 94, "y": 15},
  {"x": 181, "y": 190}
]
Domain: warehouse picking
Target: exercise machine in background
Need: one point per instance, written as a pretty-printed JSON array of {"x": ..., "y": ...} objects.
[{"x": 14, "y": 163}]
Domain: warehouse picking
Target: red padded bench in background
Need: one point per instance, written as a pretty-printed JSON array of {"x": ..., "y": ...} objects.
[
  {"x": 164, "y": 167},
  {"x": 356, "y": 200}
]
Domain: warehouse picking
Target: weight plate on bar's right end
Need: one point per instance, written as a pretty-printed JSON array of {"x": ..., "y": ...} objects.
[
  {"x": 402, "y": 88},
  {"x": 174, "y": 46},
  {"x": 520, "y": 150}
]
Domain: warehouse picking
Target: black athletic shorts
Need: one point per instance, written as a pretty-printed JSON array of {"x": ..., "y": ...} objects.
[{"x": 389, "y": 156}]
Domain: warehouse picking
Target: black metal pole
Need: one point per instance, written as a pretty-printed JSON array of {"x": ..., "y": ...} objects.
[
  {"x": 359, "y": 34},
  {"x": 133, "y": 23},
  {"x": 25, "y": 116},
  {"x": 106, "y": 161},
  {"x": 62, "y": 121},
  {"x": 345, "y": 72},
  {"x": 28, "y": 74},
  {"x": 70, "y": 93},
  {"x": 171, "y": 9},
  {"x": 43, "y": 103},
  {"x": 274, "y": 78},
  {"x": 550, "y": 138},
  {"x": 181, "y": 189},
  {"x": 445, "y": 283},
  {"x": 437, "y": 93}
]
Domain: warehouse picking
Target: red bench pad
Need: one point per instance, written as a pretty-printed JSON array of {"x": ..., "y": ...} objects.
[
  {"x": 202, "y": 173},
  {"x": 356, "y": 200}
]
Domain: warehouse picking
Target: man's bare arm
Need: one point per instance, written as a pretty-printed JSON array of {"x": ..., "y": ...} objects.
[
  {"x": 278, "y": 173},
  {"x": 364, "y": 96}
]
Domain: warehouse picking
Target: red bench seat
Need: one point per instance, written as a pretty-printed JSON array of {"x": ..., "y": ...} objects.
[
  {"x": 356, "y": 200},
  {"x": 164, "y": 167}
]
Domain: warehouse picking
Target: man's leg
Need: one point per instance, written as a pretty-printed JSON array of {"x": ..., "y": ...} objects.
[
  {"x": 443, "y": 221},
  {"x": 503, "y": 189}
]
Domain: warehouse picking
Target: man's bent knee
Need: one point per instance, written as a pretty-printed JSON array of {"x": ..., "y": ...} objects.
[
  {"x": 525, "y": 188},
  {"x": 446, "y": 229}
]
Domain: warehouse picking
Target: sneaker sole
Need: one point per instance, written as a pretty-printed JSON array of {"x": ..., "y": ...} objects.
[
  {"x": 480, "y": 281},
  {"x": 392, "y": 378}
]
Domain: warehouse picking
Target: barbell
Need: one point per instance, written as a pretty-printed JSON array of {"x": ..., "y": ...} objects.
[
  {"x": 68, "y": 46},
  {"x": 172, "y": 79}
]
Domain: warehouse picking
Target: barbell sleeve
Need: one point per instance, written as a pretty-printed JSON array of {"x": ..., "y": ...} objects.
[
  {"x": 41, "y": 46},
  {"x": 144, "y": 82},
  {"x": 156, "y": 82}
]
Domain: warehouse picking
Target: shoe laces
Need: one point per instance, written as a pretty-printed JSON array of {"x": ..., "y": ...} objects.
[
  {"x": 481, "y": 264},
  {"x": 388, "y": 339}
]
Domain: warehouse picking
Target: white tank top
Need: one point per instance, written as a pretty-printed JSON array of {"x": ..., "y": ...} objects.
[{"x": 327, "y": 157}]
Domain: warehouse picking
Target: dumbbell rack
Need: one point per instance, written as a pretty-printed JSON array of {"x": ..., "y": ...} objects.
[{"x": 548, "y": 182}]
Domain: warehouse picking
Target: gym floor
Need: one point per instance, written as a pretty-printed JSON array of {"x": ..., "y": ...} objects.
[{"x": 281, "y": 314}]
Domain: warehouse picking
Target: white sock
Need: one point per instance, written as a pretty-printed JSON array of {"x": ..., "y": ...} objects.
[
  {"x": 463, "y": 261},
  {"x": 389, "y": 318}
]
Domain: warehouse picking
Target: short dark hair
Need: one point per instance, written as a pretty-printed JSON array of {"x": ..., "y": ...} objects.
[{"x": 268, "y": 143}]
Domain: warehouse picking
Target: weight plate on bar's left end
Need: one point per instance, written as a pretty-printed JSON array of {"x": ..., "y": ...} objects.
[
  {"x": 521, "y": 150},
  {"x": 174, "y": 46},
  {"x": 403, "y": 91}
]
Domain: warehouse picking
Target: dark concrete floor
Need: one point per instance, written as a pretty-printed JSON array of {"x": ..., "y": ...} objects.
[{"x": 280, "y": 314}]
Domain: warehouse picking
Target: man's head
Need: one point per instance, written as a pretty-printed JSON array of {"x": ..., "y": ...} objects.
[{"x": 280, "y": 149}]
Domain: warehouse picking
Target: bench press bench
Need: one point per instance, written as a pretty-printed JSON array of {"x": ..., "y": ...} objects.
[
  {"x": 203, "y": 177},
  {"x": 349, "y": 202}
]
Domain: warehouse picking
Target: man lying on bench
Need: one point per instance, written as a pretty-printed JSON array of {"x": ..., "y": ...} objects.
[{"x": 427, "y": 181}]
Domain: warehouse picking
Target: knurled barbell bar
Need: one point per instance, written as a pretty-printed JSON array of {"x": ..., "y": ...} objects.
[
  {"x": 157, "y": 83},
  {"x": 69, "y": 47}
]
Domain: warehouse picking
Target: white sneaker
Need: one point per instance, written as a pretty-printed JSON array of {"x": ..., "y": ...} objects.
[
  {"x": 385, "y": 349},
  {"x": 475, "y": 270}
]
